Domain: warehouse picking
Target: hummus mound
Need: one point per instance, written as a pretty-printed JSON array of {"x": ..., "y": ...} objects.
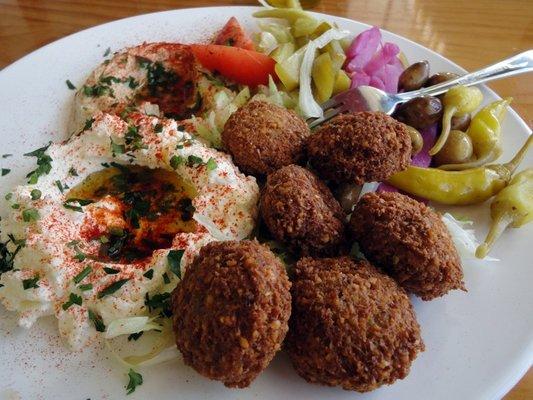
[{"x": 75, "y": 226}]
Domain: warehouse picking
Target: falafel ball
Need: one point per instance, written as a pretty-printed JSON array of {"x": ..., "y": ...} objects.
[
  {"x": 263, "y": 137},
  {"x": 231, "y": 311},
  {"x": 409, "y": 241},
  {"x": 360, "y": 147},
  {"x": 300, "y": 211},
  {"x": 351, "y": 325}
]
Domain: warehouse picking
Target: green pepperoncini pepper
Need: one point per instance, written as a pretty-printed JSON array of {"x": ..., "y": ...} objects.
[
  {"x": 457, "y": 101},
  {"x": 470, "y": 186},
  {"x": 513, "y": 206},
  {"x": 485, "y": 133}
]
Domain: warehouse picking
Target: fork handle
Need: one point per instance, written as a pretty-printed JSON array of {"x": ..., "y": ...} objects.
[{"x": 518, "y": 64}]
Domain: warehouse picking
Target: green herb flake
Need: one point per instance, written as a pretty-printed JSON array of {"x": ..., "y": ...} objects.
[
  {"x": 112, "y": 288},
  {"x": 15, "y": 206},
  {"x": 107, "y": 52},
  {"x": 70, "y": 85},
  {"x": 158, "y": 128},
  {"x": 72, "y": 171},
  {"x": 30, "y": 283},
  {"x": 72, "y": 299},
  {"x": 174, "y": 261},
  {"x": 7, "y": 155},
  {"x": 86, "y": 287},
  {"x": 8, "y": 196},
  {"x": 88, "y": 124},
  {"x": 135, "y": 336},
  {"x": 111, "y": 271},
  {"x": 44, "y": 164},
  {"x": 5, "y": 171},
  {"x": 117, "y": 148},
  {"x": 97, "y": 321},
  {"x": 82, "y": 275},
  {"x": 194, "y": 160},
  {"x": 30, "y": 215},
  {"x": 60, "y": 186},
  {"x": 211, "y": 164},
  {"x": 35, "y": 194},
  {"x": 149, "y": 274},
  {"x": 136, "y": 379},
  {"x": 70, "y": 204},
  {"x": 166, "y": 279},
  {"x": 176, "y": 161}
]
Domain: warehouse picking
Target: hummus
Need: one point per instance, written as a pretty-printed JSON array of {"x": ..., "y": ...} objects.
[{"x": 71, "y": 227}]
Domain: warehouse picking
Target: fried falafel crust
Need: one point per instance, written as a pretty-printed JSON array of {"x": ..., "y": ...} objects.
[
  {"x": 359, "y": 147},
  {"x": 351, "y": 326},
  {"x": 300, "y": 210},
  {"x": 409, "y": 241},
  {"x": 231, "y": 311},
  {"x": 263, "y": 137}
]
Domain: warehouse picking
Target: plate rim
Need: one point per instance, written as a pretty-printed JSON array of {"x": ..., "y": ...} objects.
[{"x": 521, "y": 364}]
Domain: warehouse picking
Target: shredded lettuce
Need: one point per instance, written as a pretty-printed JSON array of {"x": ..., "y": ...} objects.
[
  {"x": 307, "y": 103},
  {"x": 464, "y": 239},
  {"x": 267, "y": 42},
  {"x": 272, "y": 94},
  {"x": 129, "y": 325}
]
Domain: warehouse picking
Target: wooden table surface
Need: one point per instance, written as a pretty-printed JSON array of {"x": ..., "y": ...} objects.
[{"x": 472, "y": 34}]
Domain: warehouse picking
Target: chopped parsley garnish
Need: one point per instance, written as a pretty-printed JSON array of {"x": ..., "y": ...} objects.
[
  {"x": 98, "y": 90},
  {"x": 135, "y": 336},
  {"x": 60, "y": 186},
  {"x": 107, "y": 52},
  {"x": 35, "y": 194},
  {"x": 30, "y": 283},
  {"x": 82, "y": 275},
  {"x": 8, "y": 196},
  {"x": 158, "y": 128},
  {"x": 166, "y": 279},
  {"x": 70, "y": 85},
  {"x": 7, "y": 155},
  {"x": 72, "y": 171},
  {"x": 194, "y": 160},
  {"x": 111, "y": 271},
  {"x": 136, "y": 379},
  {"x": 149, "y": 274},
  {"x": 88, "y": 124},
  {"x": 174, "y": 261},
  {"x": 112, "y": 288},
  {"x": 30, "y": 215},
  {"x": 15, "y": 206},
  {"x": 70, "y": 204},
  {"x": 7, "y": 256},
  {"x": 187, "y": 209},
  {"x": 80, "y": 256},
  {"x": 97, "y": 321},
  {"x": 132, "y": 83},
  {"x": 117, "y": 148},
  {"x": 211, "y": 164},
  {"x": 176, "y": 161},
  {"x": 115, "y": 244},
  {"x": 159, "y": 301},
  {"x": 5, "y": 171},
  {"x": 72, "y": 299},
  {"x": 44, "y": 164},
  {"x": 86, "y": 287},
  {"x": 133, "y": 139}
]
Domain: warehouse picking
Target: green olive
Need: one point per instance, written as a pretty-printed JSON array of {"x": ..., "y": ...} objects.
[
  {"x": 414, "y": 76},
  {"x": 457, "y": 149},
  {"x": 435, "y": 79},
  {"x": 416, "y": 140},
  {"x": 420, "y": 112},
  {"x": 461, "y": 123}
]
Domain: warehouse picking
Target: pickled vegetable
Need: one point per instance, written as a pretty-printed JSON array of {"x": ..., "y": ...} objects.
[{"x": 323, "y": 77}]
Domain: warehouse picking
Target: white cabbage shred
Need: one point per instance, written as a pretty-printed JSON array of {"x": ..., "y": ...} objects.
[{"x": 464, "y": 239}]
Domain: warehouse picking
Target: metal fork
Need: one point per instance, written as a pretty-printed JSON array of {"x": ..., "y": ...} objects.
[{"x": 367, "y": 98}]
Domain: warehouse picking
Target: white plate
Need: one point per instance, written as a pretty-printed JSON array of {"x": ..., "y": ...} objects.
[{"x": 478, "y": 343}]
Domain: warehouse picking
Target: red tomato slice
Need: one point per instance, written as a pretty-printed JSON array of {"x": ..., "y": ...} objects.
[
  {"x": 247, "y": 67},
  {"x": 233, "y": 35}
]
